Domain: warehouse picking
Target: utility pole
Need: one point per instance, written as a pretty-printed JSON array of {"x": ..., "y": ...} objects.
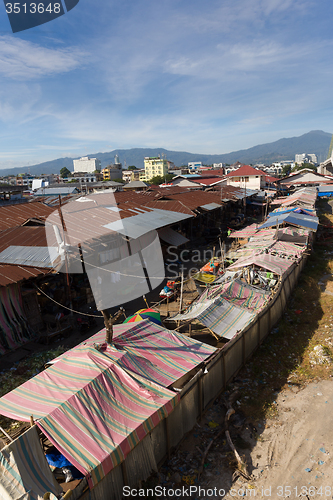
[{"x": 64, "y": 231}]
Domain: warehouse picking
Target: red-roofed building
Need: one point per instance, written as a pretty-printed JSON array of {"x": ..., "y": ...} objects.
[{"x": 247, "y": 177}]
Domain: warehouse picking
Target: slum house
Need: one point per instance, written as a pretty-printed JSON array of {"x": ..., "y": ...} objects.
[
  {"x": 200, "y": 389},
  {"x": 114, "y": 411},
  {"x": 305, "y": 177},
  {"x": 262, "y": 264},
  {"x": 17, "y": 257},
  {"x": 18, "y": 302}
]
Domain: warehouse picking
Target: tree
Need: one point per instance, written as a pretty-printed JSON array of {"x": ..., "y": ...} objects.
[
  {"x": 159, "y": 179},
  {"x": 305, "y": 165},
  {"x": 286, "y": 170},
  {"x": 64, "y": 172},
  {"x": 132, "y": 167}
]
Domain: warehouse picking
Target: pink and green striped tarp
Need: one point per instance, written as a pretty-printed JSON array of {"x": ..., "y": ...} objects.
[
  {"x": 24, "y": 471},
  {"x": 245, "y": 232},
  {"x": 96, "y": 428},
  {"x": 265, "y": 261},
  {"x": 14, "y": 328},
  {"x": 97, "y": 401},
  {"x": 151, "y": 351},
  {"x": 240, "y": 294},
  {"x": 91, "y": 409}
]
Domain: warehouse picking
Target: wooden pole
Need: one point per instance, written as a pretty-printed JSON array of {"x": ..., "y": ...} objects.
[
  {"x": 124, "y": 471},
  {"x": 32, "y": 423},
  {"x": 214, "y": 334},
  {"x": 5, "y": 434},
  {"x": 64, "y": 230},
  {"x": 109, "y": 322},
  {"x": 167, "y": 432},
  {"x": 146, "y": 302},
  {"x": 181, "y": 293},
  {"x": 266, "y": 208},
  {"x": 221, "y": 250}
]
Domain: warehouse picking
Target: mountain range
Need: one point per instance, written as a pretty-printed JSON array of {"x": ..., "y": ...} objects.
[{"x": 316, "y": 141}]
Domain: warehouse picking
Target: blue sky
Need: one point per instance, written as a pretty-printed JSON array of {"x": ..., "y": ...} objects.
[{"x": 204, "y": 77}]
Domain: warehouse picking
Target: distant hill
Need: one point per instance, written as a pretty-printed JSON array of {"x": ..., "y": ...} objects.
[{"x": 316, "y": 142}]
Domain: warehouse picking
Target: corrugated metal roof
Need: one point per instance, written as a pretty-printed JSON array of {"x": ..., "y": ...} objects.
[
  {"x": 10, "y": 274},
  {"x": 55, "y": 191},
  {"x": 210, "y": 206},
  {"x": 308, "y": 221},
  {"x": 30, "y": 235},
  {"x": 141, "y": 224},
  {"x": 134, "y": 184},
  {"x": 171, "y": 205},
  {"x": 246, "y": 170},
  {"x": 16, "y": 215},
  {"x": 29, "y": 256},
  {"x": 170, "y": 236},
  {"x": 323, "y": 189}
]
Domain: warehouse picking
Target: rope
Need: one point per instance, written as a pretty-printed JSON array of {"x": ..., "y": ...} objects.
[
  {"x": 68, "y": 308},
  {"x": 133, "y": 275}
]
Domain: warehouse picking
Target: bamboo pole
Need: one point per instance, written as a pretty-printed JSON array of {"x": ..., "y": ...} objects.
[
  {"x": 5, "y": 434},
  {"x": 146, "y": 302},
  {"x": 181, "y": 296},
  {"x": 214, "y": 334}
]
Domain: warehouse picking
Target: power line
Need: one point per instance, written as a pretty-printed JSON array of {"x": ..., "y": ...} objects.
[{"x": 68, "y": 308}]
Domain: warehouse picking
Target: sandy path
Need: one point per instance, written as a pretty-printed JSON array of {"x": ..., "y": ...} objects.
[{"x": 293, "y": 453}]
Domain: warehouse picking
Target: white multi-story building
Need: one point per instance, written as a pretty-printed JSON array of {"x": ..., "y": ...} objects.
[
  {"x": 194, "y": 165},
  {"x": 300, "y": 158},
  {"x": 305, "y": 158},
  {"x": 313, "y": 158},
  {"x": 86, "y": 164}
]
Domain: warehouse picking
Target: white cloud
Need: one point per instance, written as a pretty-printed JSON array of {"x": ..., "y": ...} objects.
[{"x": 24, "y": 60}]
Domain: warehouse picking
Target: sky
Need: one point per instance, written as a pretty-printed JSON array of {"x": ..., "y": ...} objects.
[{"x": 204, "y": 77}]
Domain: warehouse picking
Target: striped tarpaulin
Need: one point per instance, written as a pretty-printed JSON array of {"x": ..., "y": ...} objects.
[
  {"x": 240, "y": 294},
  {"x": 193, "y": 310},
  {"x": 155, "y": 352},
  {"x": 91, "y": 409},
  {"x": 14, "y": 328},
  {"x": 299, "y": 210},
  {"x": 269, "y": 262},
  {"x": 246, "y": 232},
  {"x": 173, "y": 352},
  {"x": 284, "y": 247},
  {"x": 24, "y": 470},
  {"x": 225, "y": 319},
  {"x": 96, "y": 428}
]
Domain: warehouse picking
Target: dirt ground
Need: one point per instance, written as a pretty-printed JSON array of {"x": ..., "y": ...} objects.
[{"x": 287, "y": 456}]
